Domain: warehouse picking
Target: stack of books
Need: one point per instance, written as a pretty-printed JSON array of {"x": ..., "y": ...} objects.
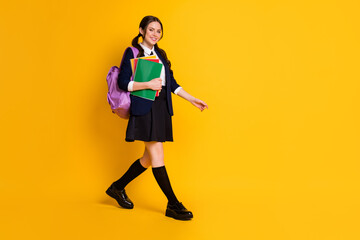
[{"x": 145, "y": 69}]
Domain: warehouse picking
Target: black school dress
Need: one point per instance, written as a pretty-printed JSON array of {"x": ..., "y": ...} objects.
[{"x": 156, "y": 125}]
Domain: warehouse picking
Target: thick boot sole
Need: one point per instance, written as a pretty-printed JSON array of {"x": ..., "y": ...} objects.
[{"x": 170, "y": 213}]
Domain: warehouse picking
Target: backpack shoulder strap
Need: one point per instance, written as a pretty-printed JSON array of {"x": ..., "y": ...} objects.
[{"x": 135, "y": 51}]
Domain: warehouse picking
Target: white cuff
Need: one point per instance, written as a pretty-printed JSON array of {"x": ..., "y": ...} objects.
[
  {"x": 177, "y": 90},
  {"x": 130, "y": 86}
]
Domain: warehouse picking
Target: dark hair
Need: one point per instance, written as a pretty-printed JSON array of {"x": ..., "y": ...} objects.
[{"x": 143, "y": 24}]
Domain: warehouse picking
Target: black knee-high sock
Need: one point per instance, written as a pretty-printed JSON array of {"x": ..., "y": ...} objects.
[
  {"x": 163, "y": 180},
  {"x": 134, "y": 170}
]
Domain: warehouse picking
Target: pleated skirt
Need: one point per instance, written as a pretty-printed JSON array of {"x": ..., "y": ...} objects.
[{"x": 156, "y": 125}]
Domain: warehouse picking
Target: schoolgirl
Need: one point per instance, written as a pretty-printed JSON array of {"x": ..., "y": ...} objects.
[{"x": 150, "y": 121}]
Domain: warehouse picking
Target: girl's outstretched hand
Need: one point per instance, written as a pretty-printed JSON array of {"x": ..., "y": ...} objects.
[{"x": 199, "y": 104}]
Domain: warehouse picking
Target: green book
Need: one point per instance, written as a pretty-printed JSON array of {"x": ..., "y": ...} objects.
[{"x": 145, "y": 72}]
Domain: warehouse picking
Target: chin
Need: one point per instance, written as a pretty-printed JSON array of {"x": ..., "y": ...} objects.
[{"x": 152, "y": 42}]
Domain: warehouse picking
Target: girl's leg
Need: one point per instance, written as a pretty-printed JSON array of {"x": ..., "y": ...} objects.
[
  {"x": 174, "y": 209},
  {"x": 117, "y": 189},
  {"x": 156, "y": 152},
  {"x": 138, "y": 167},
  {"x": 145, "y": 159}
]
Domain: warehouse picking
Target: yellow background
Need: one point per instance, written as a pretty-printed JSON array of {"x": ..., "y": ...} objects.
[{"x": 276, "y": 156}]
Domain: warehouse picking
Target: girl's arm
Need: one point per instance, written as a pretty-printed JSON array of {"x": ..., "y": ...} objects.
[
  {"x": 154, "y": 84},
  {"x": 194, "y": 101}
]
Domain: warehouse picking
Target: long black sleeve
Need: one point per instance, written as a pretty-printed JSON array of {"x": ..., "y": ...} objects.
[
  {"x": 125, "y": 70},
  {"x": 173, "y": 84}
]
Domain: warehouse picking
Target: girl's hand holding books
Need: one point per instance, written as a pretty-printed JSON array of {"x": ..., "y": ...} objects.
[{"x": 155, "y": 84}]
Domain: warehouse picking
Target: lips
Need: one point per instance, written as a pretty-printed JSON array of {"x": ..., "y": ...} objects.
[{"x": 154, "y": 39}]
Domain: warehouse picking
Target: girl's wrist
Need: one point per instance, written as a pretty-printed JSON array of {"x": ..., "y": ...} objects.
[{"x": 146, "y": 84}]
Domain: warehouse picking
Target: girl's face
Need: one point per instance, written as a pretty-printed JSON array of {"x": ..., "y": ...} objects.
[{"x": 153, "y": 34}]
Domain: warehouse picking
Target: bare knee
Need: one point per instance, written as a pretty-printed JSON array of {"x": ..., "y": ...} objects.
[
  {"x": 156, "y": 153},
  {"x": 145, "y": 159}
]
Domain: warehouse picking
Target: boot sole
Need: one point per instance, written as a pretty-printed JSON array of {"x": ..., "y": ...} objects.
[
  {"x": 111, "y": 194},
  {"x": 169, "y": 213}
]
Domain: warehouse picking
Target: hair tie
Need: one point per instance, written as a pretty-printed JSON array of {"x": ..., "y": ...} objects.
[{"x": 139, "y": 35}]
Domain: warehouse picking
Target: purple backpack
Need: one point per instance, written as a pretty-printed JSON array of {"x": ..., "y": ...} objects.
[{"x": 119, "y": 99}]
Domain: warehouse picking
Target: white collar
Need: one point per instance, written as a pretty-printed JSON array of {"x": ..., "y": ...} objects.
[{"x": 147, "y": 50}]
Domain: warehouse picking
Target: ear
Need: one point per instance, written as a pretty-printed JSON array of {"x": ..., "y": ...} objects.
[{"x": 141, "y": 31}]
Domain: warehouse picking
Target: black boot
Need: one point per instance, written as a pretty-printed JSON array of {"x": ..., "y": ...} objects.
[
  {"x": 120, "y": 196},
  {"x": 178, "y": 211},
  {"x": 117, "y": 188}
]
